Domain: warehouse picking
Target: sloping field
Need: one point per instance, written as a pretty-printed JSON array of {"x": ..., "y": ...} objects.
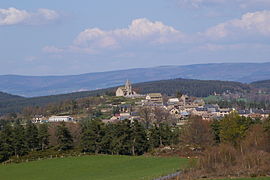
[{"x": 93, "y": 167}]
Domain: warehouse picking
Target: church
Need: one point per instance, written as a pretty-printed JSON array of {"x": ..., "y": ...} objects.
[{"x": 126, "y": 90}]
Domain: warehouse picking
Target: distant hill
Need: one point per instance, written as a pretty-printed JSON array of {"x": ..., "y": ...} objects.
[
  {"x": 4, "y": 97},
  {"x": 262, "y": 84},
  {"x": 199, "y": 88},
  {"x": 31, "y": 86},
  {"x": 12, "y": 104}
]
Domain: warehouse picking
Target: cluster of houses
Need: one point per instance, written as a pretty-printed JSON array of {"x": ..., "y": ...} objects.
[
  {"x": 182, "y": 107},
  {"x": 179, "y": 107}
]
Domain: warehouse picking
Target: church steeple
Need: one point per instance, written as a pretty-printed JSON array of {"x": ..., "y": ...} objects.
[
  {"x": 128, "y": 87},
  {"x": 126, "y": 91}
]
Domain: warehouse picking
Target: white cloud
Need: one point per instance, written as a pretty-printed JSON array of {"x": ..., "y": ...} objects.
[
  {"x": 31, "y": 58},
  {"x": 139, "y": 30},
  {"x": 233, "y": 3},
  {"x": 52, "y": 49},
  {"x": 199, "y": 3},
  {"x": 12, "y": 16},
  {"x": 257, "y": 23},
  {"x": 231, "y": 47},
  {"x": 47, "y": 14},
  {"x": 142, "y": 31}
]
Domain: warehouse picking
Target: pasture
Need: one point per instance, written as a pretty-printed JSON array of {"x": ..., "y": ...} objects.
[{"x": 101, "y": 167}]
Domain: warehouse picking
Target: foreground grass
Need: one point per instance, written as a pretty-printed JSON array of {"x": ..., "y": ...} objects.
[{"x": 100, "y": 167}]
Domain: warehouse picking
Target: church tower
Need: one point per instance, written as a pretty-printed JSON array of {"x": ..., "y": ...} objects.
[{"x": 128, "y": 87}]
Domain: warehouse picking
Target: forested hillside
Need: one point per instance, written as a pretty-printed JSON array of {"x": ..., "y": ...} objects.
[
  {"x": 199, "y": 88},
  {"x": 262, "y": 84},
  {"x": 14, "y": 104},
  {"x": 8, "y": 97}
]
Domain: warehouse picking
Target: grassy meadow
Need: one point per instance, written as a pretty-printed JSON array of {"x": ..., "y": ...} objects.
[{"x": 101, "y": 167}]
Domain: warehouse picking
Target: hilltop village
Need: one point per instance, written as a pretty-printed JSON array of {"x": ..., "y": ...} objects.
[
  {"x": 128, "y": 104},
  {"x": 127, "y": 122}
]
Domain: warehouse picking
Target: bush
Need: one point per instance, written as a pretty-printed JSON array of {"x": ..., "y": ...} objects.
[{"x": 249, "y": 158}]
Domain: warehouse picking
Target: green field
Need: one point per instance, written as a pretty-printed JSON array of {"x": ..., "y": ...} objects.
[{"x": 100, "y": 167}]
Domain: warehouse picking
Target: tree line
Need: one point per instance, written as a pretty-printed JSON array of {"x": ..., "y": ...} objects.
[{"x": 122, "y": 138}]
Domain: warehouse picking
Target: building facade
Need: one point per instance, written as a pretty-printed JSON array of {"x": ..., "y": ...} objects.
[
  {"x": 60, "y": 119},
  {"x": 126, "y": 91}
]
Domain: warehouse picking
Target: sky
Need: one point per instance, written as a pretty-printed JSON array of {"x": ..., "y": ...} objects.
[{"x": 81, "y": 36}]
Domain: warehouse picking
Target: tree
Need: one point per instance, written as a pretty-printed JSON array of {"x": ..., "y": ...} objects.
[
  {"x": 266, "y": 127},
  {"x": 216, "y": 130},
  {"x": 43, "y": 136},
  {"x": 92, "y": 134},
  {"x": 165, "y": 134},
  {"x": 162, "y": 135},
  {"x": 124, "y": 139},
  {"x": 162, "y": 116},
  {"x": 64, "y": 137},
  {"x": 145, "y": 113},
  {"x": 19, "y": 142},
  {"x": 154, "y": 137},
  {"x": 233, "y": 128},
  {"x": 197, "y": 132},
  {"x": 108, "y": 141},
  {"x": 178, "y": 94},
  {"x": 138, "y": 139},
  {"x": 116, "y": 110},
  {"x": 114, "y": 135},
  {"x": 6, "y": 142},
  {"x": 31, "y": 134},
  {"x": 256, "y": 139}
]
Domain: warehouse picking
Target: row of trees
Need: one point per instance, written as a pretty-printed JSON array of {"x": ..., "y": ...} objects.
[
  {"x": 18, "y": 140},
  {"x": 124, "y": 137}
]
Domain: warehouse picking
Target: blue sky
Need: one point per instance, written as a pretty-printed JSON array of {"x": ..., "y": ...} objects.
[{"x": 80, "y": 36}]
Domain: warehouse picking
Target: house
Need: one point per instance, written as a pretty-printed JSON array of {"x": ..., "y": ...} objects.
[
  {"x": 154, "y": 99},
  {"x": 174, "y": 111},
  {"x": 125, "y": 91},
  {"x": 125, "y": 108},
  {"x": 39, "y": 119},
  {"x": 61, "y": 119},
  {"x": 184, "y": 114},
  {"x": 173, "y": 101},
  {"x": 224, "y": 111},
  {"x": 124, "y": 116}
]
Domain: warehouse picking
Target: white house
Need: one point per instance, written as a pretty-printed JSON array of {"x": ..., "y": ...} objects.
[
  {"x": 60, "y": 119},
  {"x": 173, "y": 101}
]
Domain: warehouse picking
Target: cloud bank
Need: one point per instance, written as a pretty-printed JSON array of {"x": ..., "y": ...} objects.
[
  {"x": 257, "y": 23},
  {"x": 13, "y": 16},
  {"x": 243, "y": 4},
  {"x": 143, "y": 32},
  {"x": 140, "y": 31}
]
